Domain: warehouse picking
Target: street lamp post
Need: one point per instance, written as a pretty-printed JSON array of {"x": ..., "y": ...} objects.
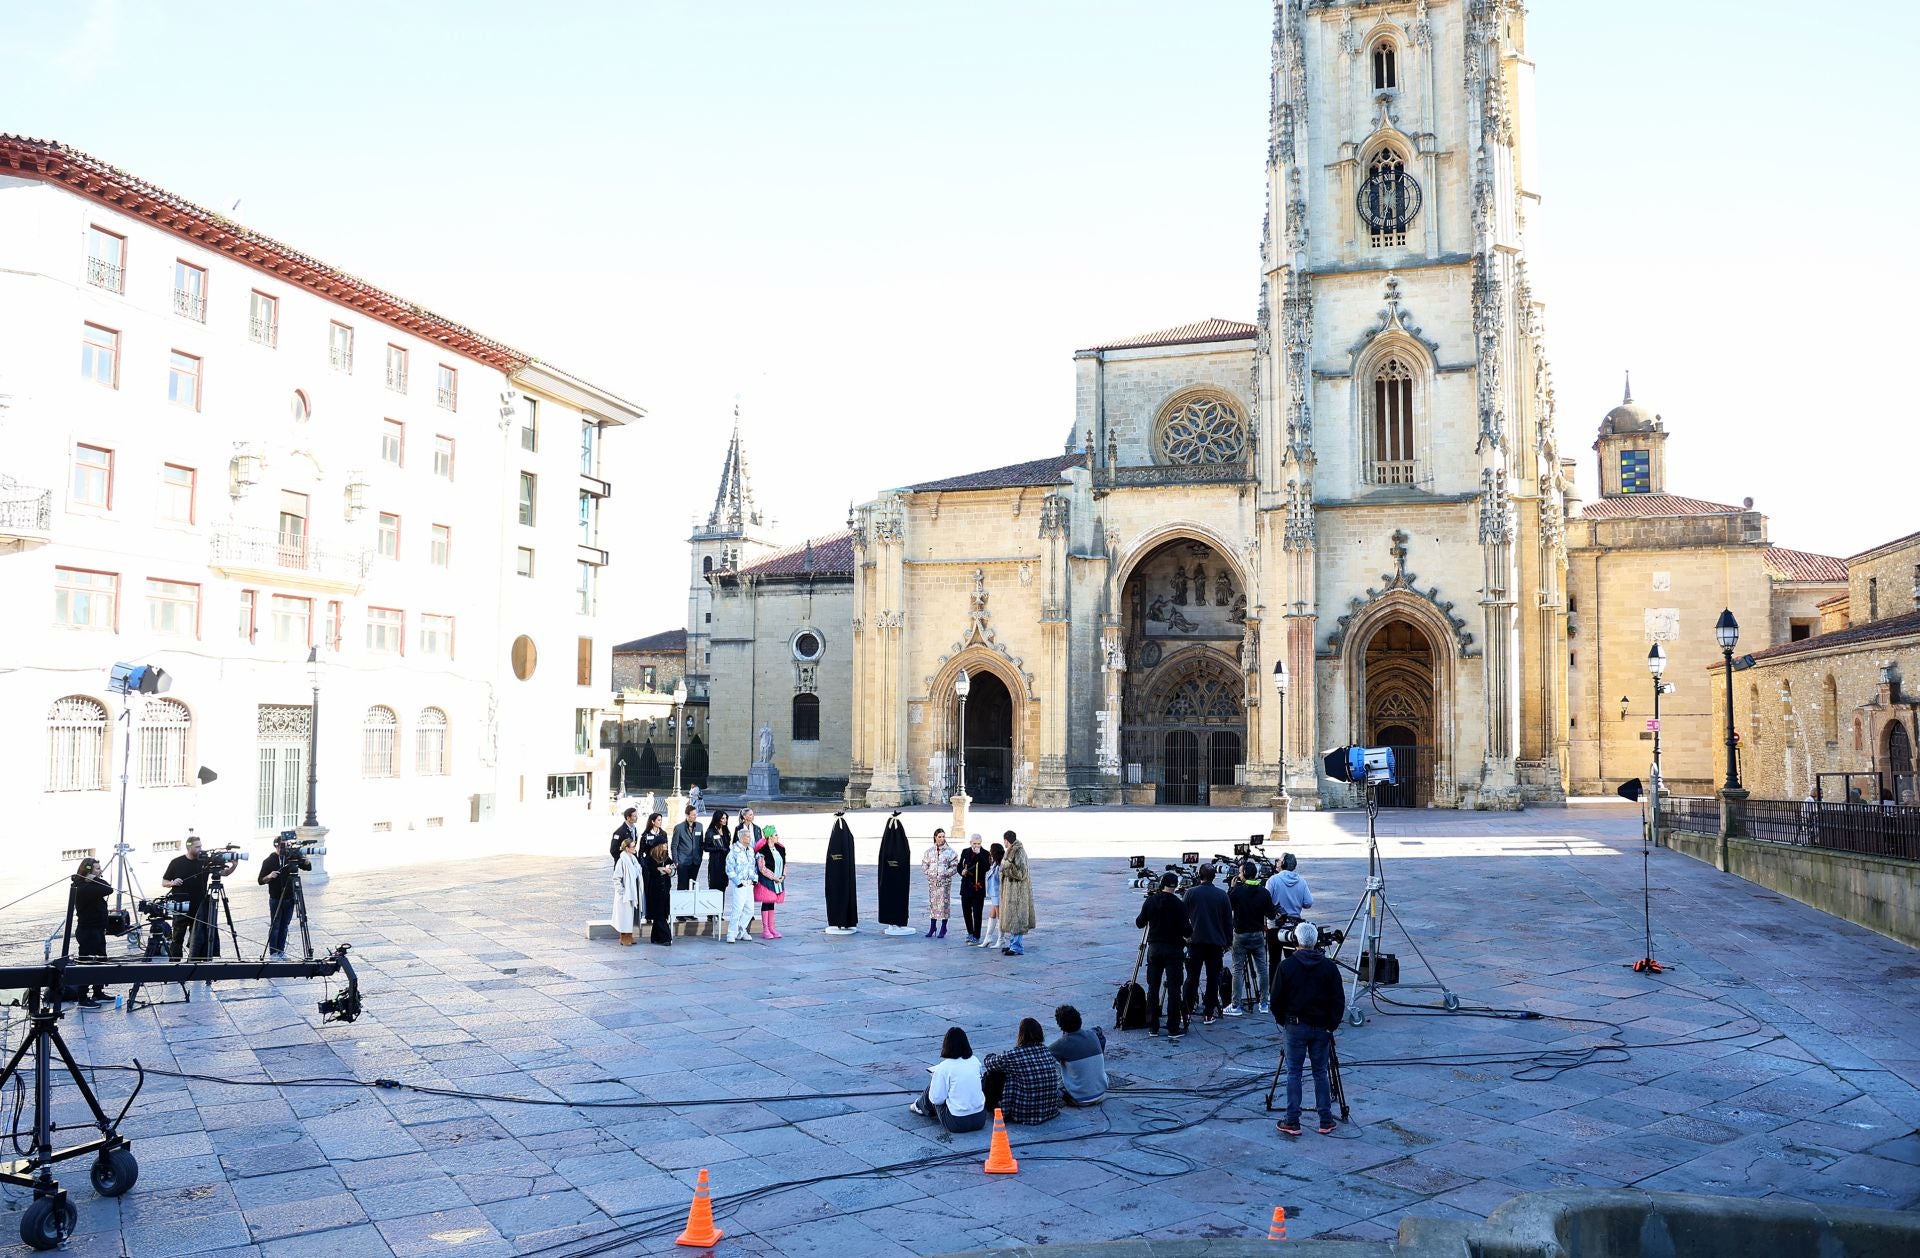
[
  {"x": 1656, "y": 665},
  {"x": 962, "y": 685},
  {"x": 311, "y": 833},
  {"x": 1727, "y": 630},
  {"x": 619, "y": 750},
  {"x": 679, "y": 729},
  {"x": 1277, "y": 830}
]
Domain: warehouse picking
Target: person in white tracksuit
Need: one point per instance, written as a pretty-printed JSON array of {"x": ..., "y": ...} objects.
[{"x": 740, "y": 880}]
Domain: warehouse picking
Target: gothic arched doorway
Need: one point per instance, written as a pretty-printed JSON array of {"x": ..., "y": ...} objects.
[
  {"x": 1399, "y": 701},
  {"x": 988, "y": 739},
  {"x": 1183, "y": 714}
]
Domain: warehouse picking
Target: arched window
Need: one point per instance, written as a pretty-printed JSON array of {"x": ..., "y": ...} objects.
[
  {"x": 164, "y": 725},
  {"x": 1830, "y": 709},
  {"x": 806, "y": 718},
  {"x": 1388, "y": 200},
  {"x": 379, "y": 744},
  {"x": 1385, "y": 72},
  {"x": 430, "y": 744},
  {"x": 77, "y": 745},
  {"x": 1390, "y": 456},
  {"x": 706, "y": 566}
]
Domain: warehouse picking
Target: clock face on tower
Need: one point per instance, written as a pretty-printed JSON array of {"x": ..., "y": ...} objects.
[{"x": 1389, "y": 198}]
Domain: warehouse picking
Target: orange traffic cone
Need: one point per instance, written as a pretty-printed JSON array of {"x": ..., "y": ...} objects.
[
  {"x": 1278, "y": 1231},
  {"x": 1000, "y": 1156},
  {"x": 700, "y": 1231}
]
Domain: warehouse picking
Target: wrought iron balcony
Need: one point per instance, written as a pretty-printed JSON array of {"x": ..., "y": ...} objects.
[
  {"x": 26, "y": 516},
  {"x": 340, "y": 357},
  {"x": 397, "y": 379},
  {"x": 191, "y": 305},
  {"x": 104, "y": 274},
  {"x": 263, "y": 332},
  {"x": 448, "y": 399},
  {"x": 1393, "y": 472},
  {"x": 265, "y": 555}
]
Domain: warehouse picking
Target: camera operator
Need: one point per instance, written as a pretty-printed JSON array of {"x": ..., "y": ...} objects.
[
  {"x": 277, "y": 874},
  {"x": 1165, "y": 920},
  {"x": 1308, "y": 1003},
  {"x": 1209, "y": 932},
  {"x": 89, "y": 899},
  {"x": 1252, "y": 906},
  {"x": 186, "y": 880},
  {"x": 1291, "y": 900}
]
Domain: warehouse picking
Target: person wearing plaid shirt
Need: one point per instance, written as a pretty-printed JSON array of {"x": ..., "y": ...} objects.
[{"x": 1024, "y": 1082}]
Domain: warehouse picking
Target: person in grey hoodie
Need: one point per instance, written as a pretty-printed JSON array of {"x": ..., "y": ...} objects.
[{"x": 1291, "y": 900}]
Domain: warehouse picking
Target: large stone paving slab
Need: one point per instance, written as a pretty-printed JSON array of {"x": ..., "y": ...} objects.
[{"x": 593, "y": 1082}]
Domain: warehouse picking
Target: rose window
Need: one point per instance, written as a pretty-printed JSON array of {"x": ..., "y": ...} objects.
[{"x": 1204, "y": 428}]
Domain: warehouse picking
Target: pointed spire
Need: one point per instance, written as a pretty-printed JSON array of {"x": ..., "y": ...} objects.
[
  {"x": 1627, "y": 400},
  {"x": 733, "y": 506}
]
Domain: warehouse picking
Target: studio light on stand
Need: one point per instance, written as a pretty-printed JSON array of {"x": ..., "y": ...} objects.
[{"x": 128, "y": 680}]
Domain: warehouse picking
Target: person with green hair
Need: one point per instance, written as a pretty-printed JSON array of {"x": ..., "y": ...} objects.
[{"x": 770, "y": 891}]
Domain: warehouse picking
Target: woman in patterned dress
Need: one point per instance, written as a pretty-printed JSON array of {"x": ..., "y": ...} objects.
[{"x": 940, "y": 864}]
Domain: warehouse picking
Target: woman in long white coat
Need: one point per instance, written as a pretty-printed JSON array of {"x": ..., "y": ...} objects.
[{"x": 626, "y": 892}]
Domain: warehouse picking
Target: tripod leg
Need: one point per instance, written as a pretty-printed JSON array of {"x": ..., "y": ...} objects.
[
  {"x": 1447, "y": 997},
  {"x": 300, "y": 912},
  {"x": 226, "y": 906}
]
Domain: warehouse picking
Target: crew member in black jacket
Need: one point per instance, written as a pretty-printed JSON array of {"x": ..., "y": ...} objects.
[
  {"x": 1165, "y": 919},
  {"x": 1209, "y": 933},
  {"x": 186, "y": 882},
  {"x": 90, "y": 892},
  {"x": 1309, "y": 1003},
  {"x": 277, "y": 876}
]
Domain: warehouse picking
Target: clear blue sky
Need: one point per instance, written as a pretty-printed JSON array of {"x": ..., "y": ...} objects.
[{"x": 885, "y": 226}]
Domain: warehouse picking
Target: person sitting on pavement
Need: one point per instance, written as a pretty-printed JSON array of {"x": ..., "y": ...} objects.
[
  {"x": 953, "y": 1096},
  {"x": 1024, "y": 1082},
  {"x": 1308, "y": 1003},
  {"x": 1082, "y": 1054}
]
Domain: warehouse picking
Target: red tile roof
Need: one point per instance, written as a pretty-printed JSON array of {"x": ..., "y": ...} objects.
[
  {"x": 832, "y": 556},
  {"x": 1640, "y": 506},
  {"x": 1013, "y": 476},
  {"x": 88, "y": 176},
  {"x": 665, "y": 640},
  {"x": 1873, "y": 631},
  {"x": 1185, "y": 334},
  {"x": 1804, "y": 565}
]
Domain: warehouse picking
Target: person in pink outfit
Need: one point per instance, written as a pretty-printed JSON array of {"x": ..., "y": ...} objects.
[{"x": 771, "y": 889}]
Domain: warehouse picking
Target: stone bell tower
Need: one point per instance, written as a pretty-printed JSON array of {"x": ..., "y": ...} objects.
[{"x": 1410, "y": 481}]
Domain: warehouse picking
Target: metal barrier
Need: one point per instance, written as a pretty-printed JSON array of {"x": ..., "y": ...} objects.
[
  {"x": 1890, "y": 830},
  {"x": 1696, "y": 814}
]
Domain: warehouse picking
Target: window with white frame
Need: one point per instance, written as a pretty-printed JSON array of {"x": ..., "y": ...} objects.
[
  {"x": 173, "y": 608},
  {"x": 100, "y": 355},
  {"x": 263, "y": 319},
  {"x": 177, "y": 489},
  {"x": 190, "y": 291},
  {"x": 1391, "y": 458},
  {"x": 589, "y": 519},
  {"x": 340, "y": 347},
  {"x": 249, "y": 611},
  {"x": 106, "y": 259},
  {"x": 589, "y": 448},
  {"x": 292, "y": 621},
  {"x": 436, "y": 635},
  {"x": 389, "y": 535},
  {"x": 77, "y": 745},
  {"x": 380, "y": 744},
  {"x": 83, "y": 599},
  {"x": 430, "y": 744},
  {"x": 386, "y": 630},
  {"x": 530, "y": 426},
  {"x": 529, "y": 498},
  {"x": 393, "y": 442},
  {"x": 588, "y": 588},
  {"x": 443, "y": 456},
  {"x": 396, "y": 369},
  {"x": 92, "y": 477},
  {"x": 583, "y": 730},
  {"x": 333, "y": 626},
  {"x": 183, "y": 380},
  {"x": 440, "y": 546},
  {"x": 447, "y": 390},
  {"x": 164, "y": 726},
  {"x": 523, "y": 561}
]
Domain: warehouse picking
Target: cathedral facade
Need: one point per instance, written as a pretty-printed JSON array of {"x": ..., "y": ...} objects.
[{"x": 1359, "y": 491}]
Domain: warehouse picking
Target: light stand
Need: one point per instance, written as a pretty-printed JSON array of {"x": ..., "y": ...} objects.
[
  {"x": 1372, "y": 911},
  {"x": 128, "y": 680}
]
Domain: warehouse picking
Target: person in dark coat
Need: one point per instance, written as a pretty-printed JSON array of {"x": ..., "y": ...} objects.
[
  {"x": 624, "y": 831},
  {"x": 687, "y": 841},
  {"x": 1165, "y": 920},
  {"x": 1209, "y": 935},
  {"x": 1308, "y": 1003},
  {"x": 843, "y": 904},
  {"x": 656, "y": 873},
  {"x": 974, "y": 863},
  {"x": 896, "y": 866},
  {"x": 89, "y": 894},
  {"x": 719, "y": 838}
]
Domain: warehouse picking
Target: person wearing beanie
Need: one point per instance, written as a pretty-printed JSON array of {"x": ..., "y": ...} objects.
[{"x": 771, "y": 889}]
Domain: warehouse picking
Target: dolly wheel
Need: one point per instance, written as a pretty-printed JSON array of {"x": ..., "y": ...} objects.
[
  {"x": 1452, "y": 1002},
  {"x": 114, "y": 1172},
  {"x": 48, "y": 1222},
  {"x": 1356, "y": 1015}
]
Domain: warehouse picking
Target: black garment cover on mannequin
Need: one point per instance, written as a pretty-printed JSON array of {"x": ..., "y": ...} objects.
[
  {"x": 896, "y": 864},
  {"x": 843, "y": 906}
]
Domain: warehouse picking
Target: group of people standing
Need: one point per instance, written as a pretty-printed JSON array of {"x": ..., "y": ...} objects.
[
  {"x": 996, "y": 891},
  {"x": 745, "y": 863}
]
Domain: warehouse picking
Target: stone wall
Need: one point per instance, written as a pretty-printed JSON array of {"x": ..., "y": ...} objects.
[
  {"x": 755, "y": 678},
  {"x": 1872, "y": 891},
  {"x": 1885, "y": 581}
]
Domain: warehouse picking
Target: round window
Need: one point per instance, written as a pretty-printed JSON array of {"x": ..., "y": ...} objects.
[
  {"x": 806, "y": 646},
  {"x": 524, "y": 657}
]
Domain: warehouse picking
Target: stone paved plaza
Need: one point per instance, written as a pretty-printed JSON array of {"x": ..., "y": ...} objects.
[{"x": 1779, "y": 1056}]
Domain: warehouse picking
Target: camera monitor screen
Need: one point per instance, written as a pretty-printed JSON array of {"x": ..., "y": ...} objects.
[{"x": 1190, "y": 858}]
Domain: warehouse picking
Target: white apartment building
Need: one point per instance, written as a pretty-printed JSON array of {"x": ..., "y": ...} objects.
[{"x": 218, "y": 454}]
